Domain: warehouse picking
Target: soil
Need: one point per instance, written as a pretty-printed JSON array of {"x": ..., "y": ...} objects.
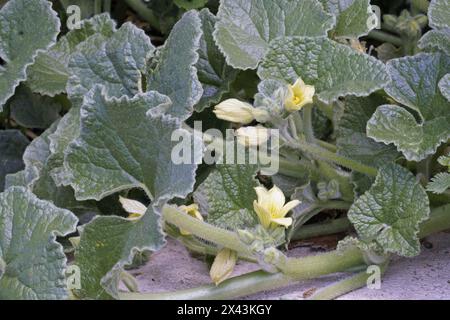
[{"x": 426, "y": 276}]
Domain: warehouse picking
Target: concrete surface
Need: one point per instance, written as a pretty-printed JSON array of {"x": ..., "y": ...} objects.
[{"x": 426, "y": 276}]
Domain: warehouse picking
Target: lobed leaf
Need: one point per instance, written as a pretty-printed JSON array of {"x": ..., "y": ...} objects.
[
  {"x": 227, "y": 196},
  {"x": 391, "y": 211},
  {"x": 33, "y": 262},
  {"x": 415, "y": 85},
  {"x": 334, "y": 69},
  {"x": 21, "y": 40},
  {"x": 176, "y": 74},
  {"x": 246, "y": 27}
]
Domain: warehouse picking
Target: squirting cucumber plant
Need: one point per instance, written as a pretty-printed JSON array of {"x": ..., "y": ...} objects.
[{"x": 235, "y": 127}]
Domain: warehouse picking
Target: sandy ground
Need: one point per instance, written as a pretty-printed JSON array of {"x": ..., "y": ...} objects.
[{"x": 424, "y": 277}]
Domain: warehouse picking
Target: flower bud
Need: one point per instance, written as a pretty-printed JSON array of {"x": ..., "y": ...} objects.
[{"x": 237, "y": 111}]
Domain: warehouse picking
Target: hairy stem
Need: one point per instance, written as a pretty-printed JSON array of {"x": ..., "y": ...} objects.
[
  {"x": 345, "y": 286},
  {"x": 144, "y": 12}
]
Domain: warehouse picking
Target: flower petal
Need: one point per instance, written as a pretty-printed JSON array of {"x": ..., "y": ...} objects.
[
  {"x": 263, "y": 196},
  {"x": 133, "y": 207},
  {"x": 263, "y": 214},
  {"x": 285, "y": 222},
  {"x": 277, "y": 199},
  {"x": 288, "y": 207}
]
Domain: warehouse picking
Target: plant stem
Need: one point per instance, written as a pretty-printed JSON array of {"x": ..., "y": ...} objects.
[
  {"x": 221, "y": 237},
  {"x": 107, "y": 6},
  {"x": 345, "y": 286},
  {"x": 307, "y": 124},
  {"x": 98, "y": 6},
  {"x": 254, "y": 282},
  {"x": 385, "y": 37},
  {"x": 419, "y": 6},
  {"x": 331, "y": 147},
  {"x": 144, "y": 12},
  {"x": 333, "y": 157},
  {"x": 298, "y": 269},
  {"x": 322, "y": 229}
]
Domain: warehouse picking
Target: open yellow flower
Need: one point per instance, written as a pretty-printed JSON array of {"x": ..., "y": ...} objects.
[
  {"x": 237, "y": 111},
  {"x": 271, "y": 207},
  {"x": 191, "y": 210},
  {"x": 299, "y": 95}
]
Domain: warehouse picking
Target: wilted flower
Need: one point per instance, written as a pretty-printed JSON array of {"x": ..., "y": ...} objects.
[
  {"x": 299, "y": 95},
  {"x": 191, "y": 210},
  {"x": 237, "y": 111},
  {"x": 223, "y": 265},
  {"x": 252, "y": 136},
  {"x": 271, "y": 207}
]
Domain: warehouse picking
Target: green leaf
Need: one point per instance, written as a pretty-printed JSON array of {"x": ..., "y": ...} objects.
[
  {"x": 37, "y": 176},
  {"x": 444, "y": 86},
  {"x": 354, "y": 18},
  {"x": 334, "y": 69},
  {"x": 32, "y": 110},
  {"x": 12, "y": 146},
  {"x": 213, "y": 72},
  {"x": 391, "y": 211},
  {"x": 26, "y": 28},
  {"x": 34, "y": 263},
  {"x": 176, "y": 74},
  {"x": 439, "y": 183},
  {"x": 352, "y": 141},
  {"x": 246, "y": 27},
  {"x": 49, "y": 74},
  {"x": 436, "y": 39},
  {"x": 112, "y": 152},
  {"x": 227, "y": 196},
  {"x": 107, "y": 244},
  {"x": 415, "y": 85},
  {"x": 117, "y": 63},
  {"x": 439, "y": 14}
]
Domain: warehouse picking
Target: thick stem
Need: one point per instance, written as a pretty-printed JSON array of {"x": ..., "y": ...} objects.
[
  {"x": 322, "y": 229},
  {"x": 298, "y": 269},
  {"x": 204, "y": 230},
  {"x": 305, "y": 268},
  {"x": 333, "y": 157},
  {"x": 345, "y": 286}
]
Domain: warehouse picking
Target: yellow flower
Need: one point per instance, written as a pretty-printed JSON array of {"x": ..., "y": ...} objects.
[
  {"x": 237, "y": 111},
  {"x": 191, "y": 210},
  {"x": 299, "y": 95},
  {"x": 252, "y": 136},
  {"x": 271, "y": 207},
  {"x": 135, "y": 209}
]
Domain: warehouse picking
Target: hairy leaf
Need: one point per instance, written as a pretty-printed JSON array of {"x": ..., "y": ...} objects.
[
  {"x": 246, "y": 27},
  {"x": 49, "y": 74},
  {"x": 414, "y": 84},
  {"x": 439, "y": 183},
  {"x": 34, "y": 263},
  {"x": 227, "y": 196},
  {"x": 354, "y": 18},
  {"x": 213, "y": 72},
  {"x": 26, "y": 28},
  {"x": 444, "y": 86},
  {"x": 439, "y": 13},
  {"x": 117, "y": 63},
  {"x": 176, "y": 74},
  {"x": 391, "y": 211},
  {"x": 109, "y": 243},
  {"x": 32, "y": 110},
  {"x": 334, "y": 69}
]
